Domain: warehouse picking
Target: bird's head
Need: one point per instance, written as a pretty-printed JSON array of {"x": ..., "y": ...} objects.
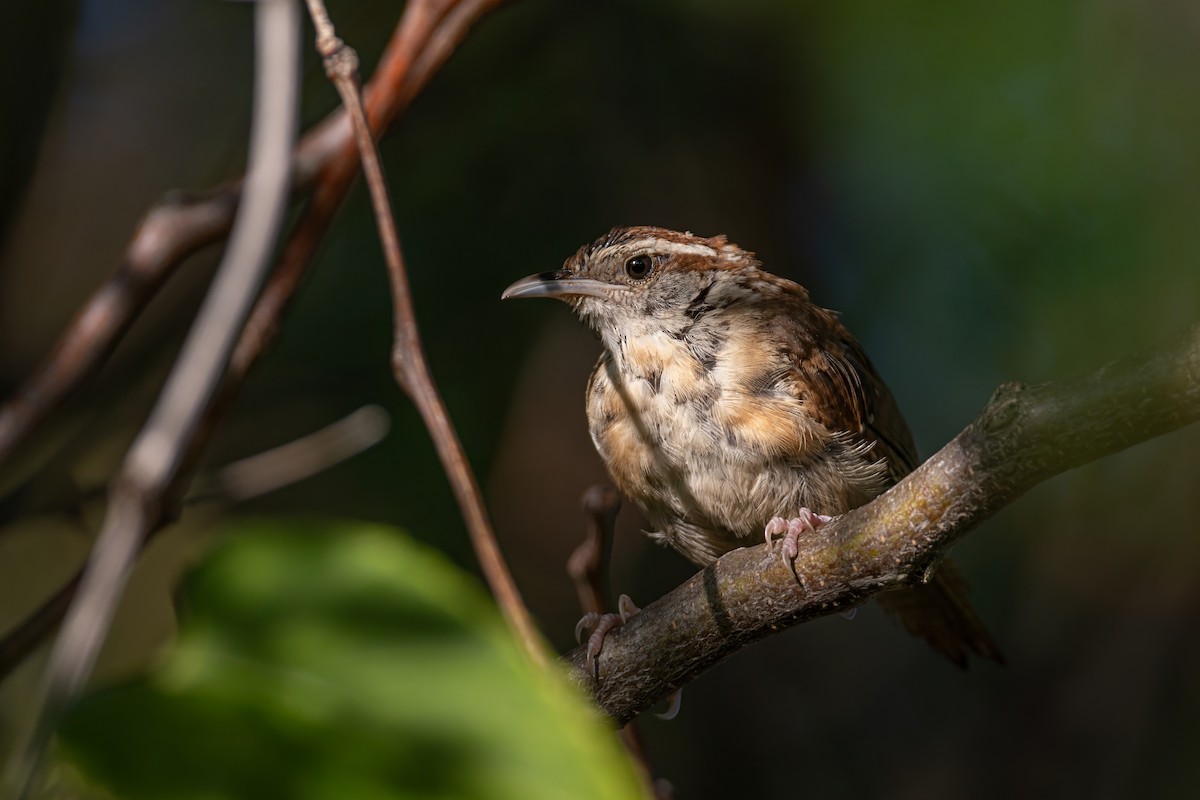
[{"x": 643, "y": 279}]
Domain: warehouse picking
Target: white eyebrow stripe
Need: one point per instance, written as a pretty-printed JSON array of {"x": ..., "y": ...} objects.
[{"x": 677, "y": 248}]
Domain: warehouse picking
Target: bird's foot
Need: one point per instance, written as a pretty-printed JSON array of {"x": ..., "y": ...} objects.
[
  {"x": 805, "y": 520},
  {"x": 601, "y": 625}
]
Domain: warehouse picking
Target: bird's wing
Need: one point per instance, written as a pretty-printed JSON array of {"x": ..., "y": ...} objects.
[
  {"x": 843, "y": 392},
  {"x": 841, "y": 389}
]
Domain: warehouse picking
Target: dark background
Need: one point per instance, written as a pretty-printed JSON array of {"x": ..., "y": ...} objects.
[{"x": 987, "y": 194}]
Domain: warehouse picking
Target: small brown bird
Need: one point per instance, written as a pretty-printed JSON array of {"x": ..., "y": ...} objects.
[{"x": 728, "y": 407}]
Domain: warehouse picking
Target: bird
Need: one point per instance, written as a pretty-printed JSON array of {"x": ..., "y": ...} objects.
[{"x": 730, "y": 409}]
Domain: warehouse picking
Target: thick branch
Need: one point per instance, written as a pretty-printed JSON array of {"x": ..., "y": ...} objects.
[{"x": 1023, "y": 436}]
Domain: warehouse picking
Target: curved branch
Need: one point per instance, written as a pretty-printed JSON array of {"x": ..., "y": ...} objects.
[
  {"x": 1023, "y": 436},
  {"x": 327, "y": 162},
  {"x": 181, "y": 224},
  {"x": 153, "y": 462},
  {"x": 409, "y": 364}
]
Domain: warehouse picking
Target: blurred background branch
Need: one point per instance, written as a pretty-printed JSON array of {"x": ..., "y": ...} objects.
[
  {"x": 181, "y": 224},
  {"x": 425, "y": 36},
  {"x": 293, "y": 462},
  {"x": 148, "y": 484},
  {"x": 238, "y": 482}
]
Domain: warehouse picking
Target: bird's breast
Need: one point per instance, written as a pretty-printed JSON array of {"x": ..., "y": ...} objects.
[
  {"x": 708, "y": 438},
  {"x": 645, "y": 407}
]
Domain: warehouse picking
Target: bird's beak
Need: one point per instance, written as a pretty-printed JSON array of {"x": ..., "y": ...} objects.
[{"x": 555, "y": 284}]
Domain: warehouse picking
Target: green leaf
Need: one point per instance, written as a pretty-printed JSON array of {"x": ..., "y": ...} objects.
[{"x": 342, "y": 661}]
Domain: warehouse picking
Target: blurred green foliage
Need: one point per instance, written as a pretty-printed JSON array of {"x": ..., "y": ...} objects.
[{"x": 342, "y": 661}]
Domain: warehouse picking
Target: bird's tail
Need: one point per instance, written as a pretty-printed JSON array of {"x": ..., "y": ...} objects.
[{"x": 941, "y": 614}]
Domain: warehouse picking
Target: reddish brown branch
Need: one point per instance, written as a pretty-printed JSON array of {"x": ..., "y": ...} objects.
[
  {"x": 588, "y": 561},
  {"x": 179, "y": 225},
  {"x": 326, "y": 163},
  {"x": 587, "y": 565},
  {"x": 408, "y": 357},
  {"x": 173, "y": 229}
]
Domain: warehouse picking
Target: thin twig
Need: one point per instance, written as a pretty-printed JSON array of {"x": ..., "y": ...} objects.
[
  {"x": 139, "y": 492},
  {"x": 295, "y": 461},
  {"x": 423, "y": 39},
  {"x": 173, "y": 229},
  {"x": 249, "y": 477},
  {"x": 1023, "y": 436},
  {"x": 587, "y": 566},
  {"x": 237, "y": 482},
  {"x": 408, "y": 358},
  {"x": 32, "y": 631},
  {"x": 587, "y": 562}
]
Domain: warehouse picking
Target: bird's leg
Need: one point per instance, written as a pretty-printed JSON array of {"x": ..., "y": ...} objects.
[
  {"x": 601, "y": 625},
  {"x": 805, "y": 520}
]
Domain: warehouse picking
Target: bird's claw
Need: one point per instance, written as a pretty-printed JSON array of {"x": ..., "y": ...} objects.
[
  {"x": 588, "y": 620},
  {"x": 601, "y": 625},
  {"x": 675, "y": 702},
  {"x": 776, "y": 526},
  {"x": 805, "y": 520}
]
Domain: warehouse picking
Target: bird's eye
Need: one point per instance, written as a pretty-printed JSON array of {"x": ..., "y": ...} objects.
[{"x": 639, "y": 267}]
